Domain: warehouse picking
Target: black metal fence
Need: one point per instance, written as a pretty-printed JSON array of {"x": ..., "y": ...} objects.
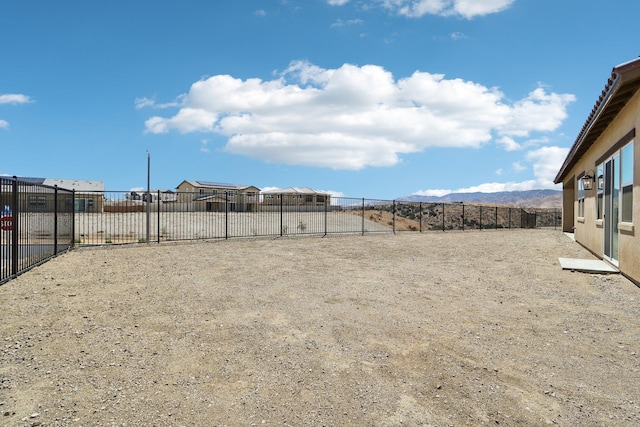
[
  {"x": 458, "y": 216},
  {"x": 36, "y": 223},
  {"x": 114, "y": 217}
]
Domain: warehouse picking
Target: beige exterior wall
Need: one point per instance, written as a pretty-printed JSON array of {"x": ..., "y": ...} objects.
[{"x": 589, "y": 231}]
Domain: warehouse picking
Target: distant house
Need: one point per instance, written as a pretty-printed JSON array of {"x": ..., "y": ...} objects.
[
  {"x": 296, "y": 196},
  {"x": 163, "y": 196},
  {"x": 217, "y": 197},
  {"x": 89, "y": 195},
  {"x": 601, "y": 175}
]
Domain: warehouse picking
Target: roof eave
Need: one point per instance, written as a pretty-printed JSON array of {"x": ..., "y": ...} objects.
[
  {"x": 622, "y": 74},
  {"x": 586, "y": 129}
]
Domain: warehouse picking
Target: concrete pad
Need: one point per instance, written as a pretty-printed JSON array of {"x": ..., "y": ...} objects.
[
  {"x": 571, "y": 236},
  {"x": 587, "y": 265}
]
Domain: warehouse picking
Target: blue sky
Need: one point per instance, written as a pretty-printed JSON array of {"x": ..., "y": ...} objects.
[{"x": 362, "y": 98}]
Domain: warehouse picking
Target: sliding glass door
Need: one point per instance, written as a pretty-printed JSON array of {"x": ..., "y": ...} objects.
[{"x": 611, "y": 208}]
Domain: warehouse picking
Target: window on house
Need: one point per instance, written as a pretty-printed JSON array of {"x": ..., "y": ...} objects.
[
  {"x": 320, "y": 199},
  {"x": 37, "y": 201},
  {"x": 580, "y": 198},
  {"x": 83, "y": 205},
  {"x": 600, "y": 190},
  {"x": 626, "y": 178},
  {"x": 308, "y": 199}
]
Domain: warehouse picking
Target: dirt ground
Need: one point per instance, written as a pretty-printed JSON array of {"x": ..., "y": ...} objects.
[{"x": 458, "y": 328}]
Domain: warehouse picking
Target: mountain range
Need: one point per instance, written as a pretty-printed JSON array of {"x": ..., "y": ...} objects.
[{"x": 530, "y": 198}]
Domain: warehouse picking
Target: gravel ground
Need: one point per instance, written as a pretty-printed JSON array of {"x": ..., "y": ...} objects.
[{"x": 473, "y": 328}]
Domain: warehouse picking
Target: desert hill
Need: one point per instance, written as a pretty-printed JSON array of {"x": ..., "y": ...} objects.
[{"x": 530, "y": 198}]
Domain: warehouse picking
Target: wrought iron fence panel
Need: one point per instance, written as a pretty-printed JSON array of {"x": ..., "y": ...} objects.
[{"x": 36, "y": 223}]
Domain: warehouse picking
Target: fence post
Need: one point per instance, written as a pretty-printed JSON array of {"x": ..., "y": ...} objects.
[
  {"x": 443, "y": 216},
  {"x": 420, "y": 216},
  {"x": 14, "y": 229},
  {"x": 281, "y": 216},
  {"x": 226, "y": 215},
  {"x": 55, "y": 220},
  {"x": 325, "y": 215},
  {"x": 509, "y": 218},
  {"x": 363, "y": 216},
  {"x": 496, "y": 217},
  {"x": 393, "y": 220},
  {"x": 480, "y": 217},
  {"x": 463, "y": 217},
  {"x": 158, "y": 199},
  {"x": 73, "y": 217}
]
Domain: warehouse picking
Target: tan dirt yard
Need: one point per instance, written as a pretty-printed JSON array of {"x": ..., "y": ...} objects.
[{"x": 435, "y": 329}]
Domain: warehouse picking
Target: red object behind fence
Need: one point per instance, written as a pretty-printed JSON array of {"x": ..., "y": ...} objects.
[{"x": 6, "y": 223}]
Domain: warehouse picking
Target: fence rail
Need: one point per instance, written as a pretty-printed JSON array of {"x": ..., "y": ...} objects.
[{"x": 36, "y": 224}]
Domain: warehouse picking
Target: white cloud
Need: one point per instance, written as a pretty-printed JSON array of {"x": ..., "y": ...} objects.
[
  {"x": 203, "y": 146},
  {"x": 416, "y": 8},
  {"x": 436, "y": 193},
  {"x": 145, "y": 102},
  {"x": 187, "y": 120},
  {"x": 472, "y": 8},
  {"x": 499, "y": 171},
  {"x": 517, "y": 167},
  {"x": 341, "y": 23},
  {"x": 489, "y": 187},
  {"x": 458, "y": 36},
  {"x": 508, "y": 143},
  {"x": 353, "y": 116},
  {"x": 14, "y": 99},
  {"x": 546, "y": 163},
  {"x": 539, "y": 111}
]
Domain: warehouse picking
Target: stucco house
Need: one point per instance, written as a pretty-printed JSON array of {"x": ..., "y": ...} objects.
[
  {"x": 601, "y": 175},
  {"x": 295, "y": 196},
  {"x": 217, "y": 197},
  {"x": 89, "y": 195}
]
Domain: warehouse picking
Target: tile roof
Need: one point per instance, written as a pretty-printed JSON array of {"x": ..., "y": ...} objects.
[{"x": 621, "y": 86}]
